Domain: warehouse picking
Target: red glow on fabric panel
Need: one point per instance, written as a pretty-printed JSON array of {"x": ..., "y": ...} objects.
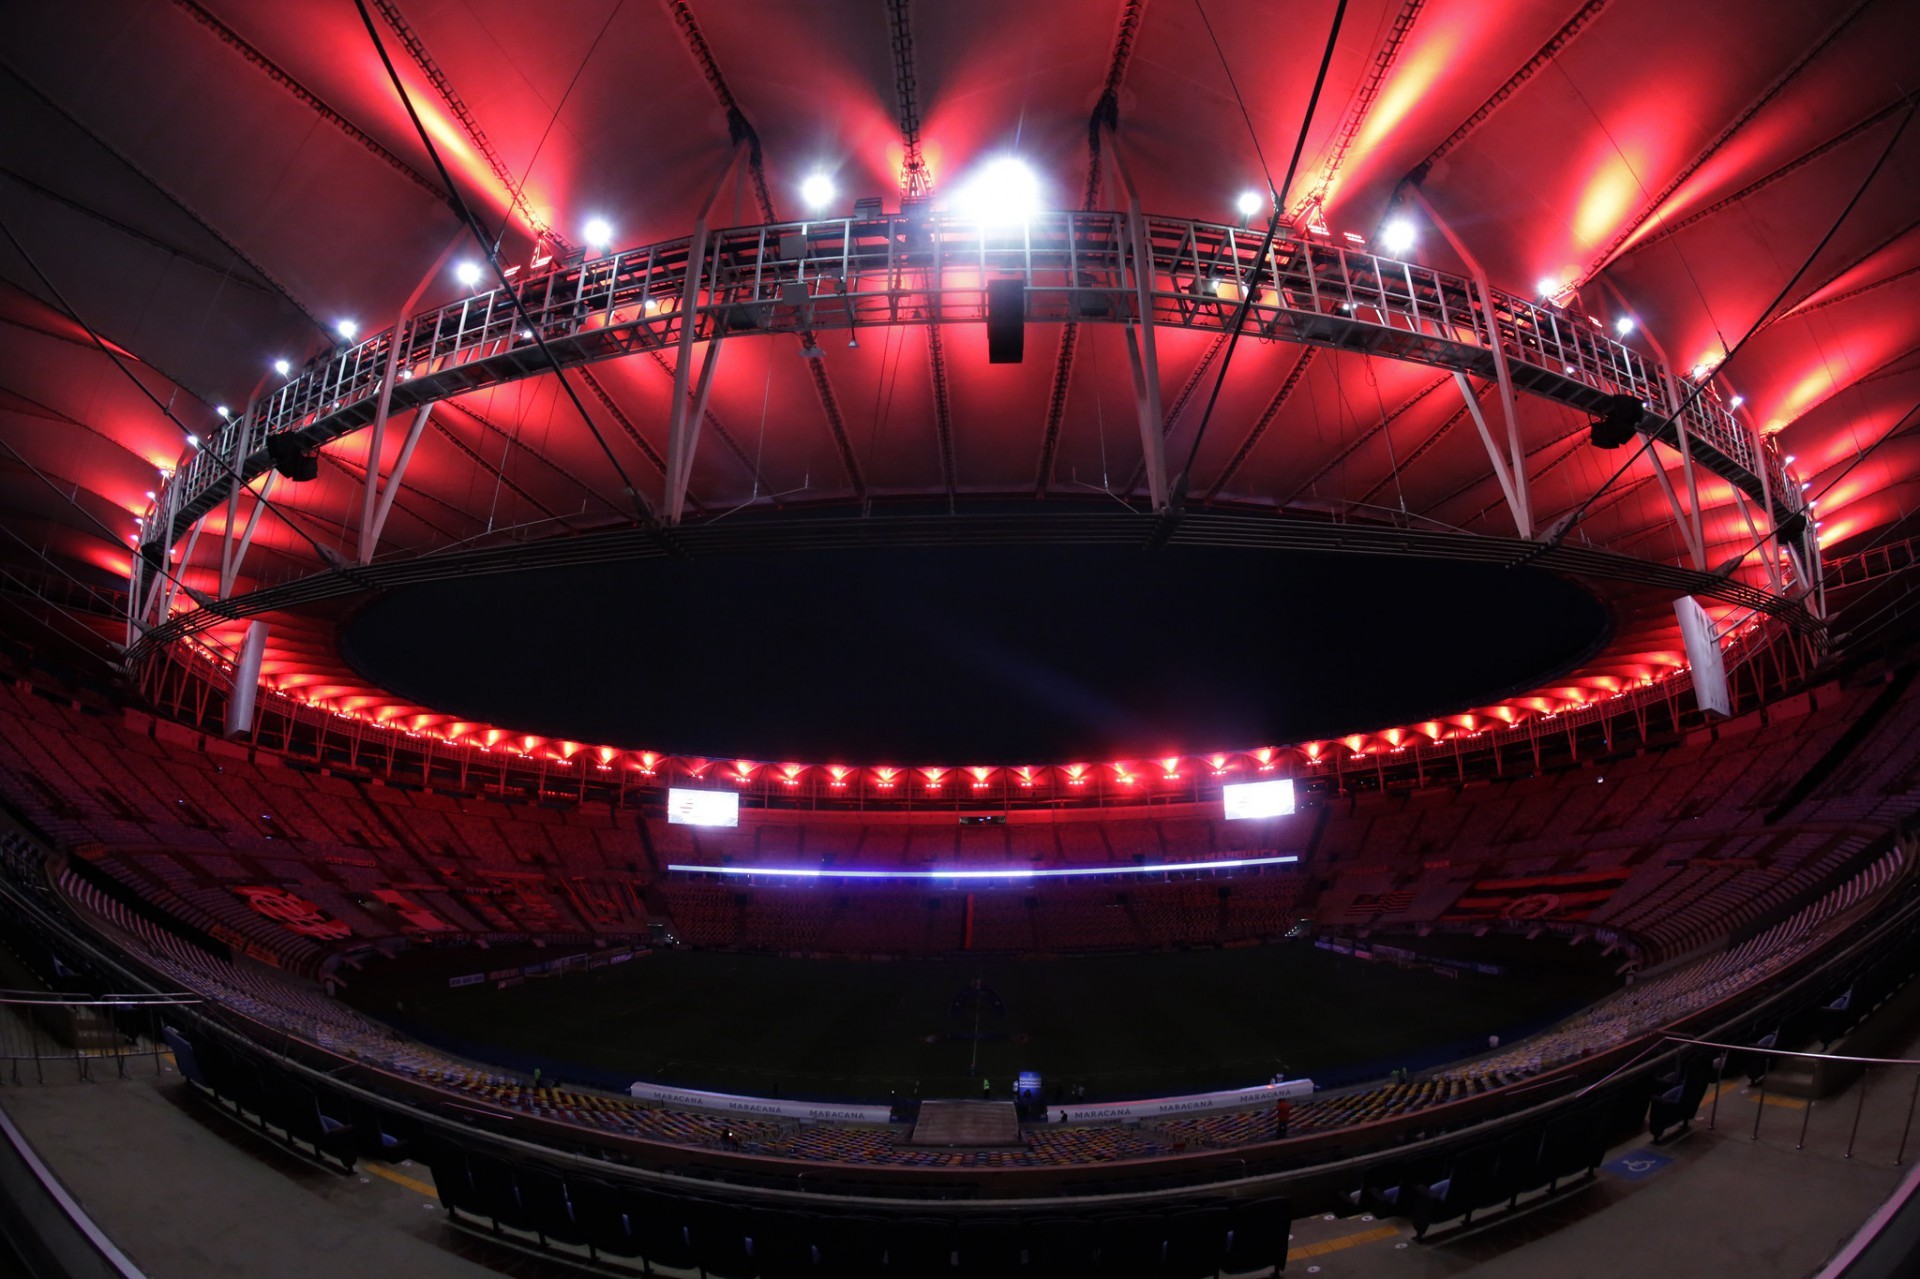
[{"x": 1405, "y": 89}]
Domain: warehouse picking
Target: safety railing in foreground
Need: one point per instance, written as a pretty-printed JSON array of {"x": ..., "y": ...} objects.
[
  {"x": 1762, "y": 1066},
  {"x": 43, "y": 1032}
]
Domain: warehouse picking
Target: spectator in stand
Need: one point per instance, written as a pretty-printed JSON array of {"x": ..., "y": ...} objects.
[{"x": 1282, "y": 1114}]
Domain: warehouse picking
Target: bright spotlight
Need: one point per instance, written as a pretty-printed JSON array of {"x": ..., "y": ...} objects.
[
  {"x": 222, "y": 410},
  {"x": 1249, "y": 203},
  {"x": 1397, "y": 236},
  {"x": 1623, "y": 325},
  {"x": 599, "y": 232},
  {"x": 282, "y": 367},
  {"x": 193, "y": 441},
  {"x": 1736, "y": 401},
  {"x": 1005, "y": 191},
  {"x": 1699, "y": 371},
  {"x": 817, "y": 191},
  {"x": 468, "y": 273},
  {"x": 1546, "y": 286},
  {"x": 348, "y": 329}
]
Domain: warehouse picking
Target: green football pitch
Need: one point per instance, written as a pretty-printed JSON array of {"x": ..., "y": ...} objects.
[{"x": 1117, "y": 1024}]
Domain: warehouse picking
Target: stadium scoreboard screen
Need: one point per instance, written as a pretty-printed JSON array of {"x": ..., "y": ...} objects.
[
  {"x": 702, "y": 807},
  {"x": 1258, "y": 799}
]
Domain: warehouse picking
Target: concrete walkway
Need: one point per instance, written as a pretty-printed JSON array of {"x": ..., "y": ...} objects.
[{"x": 188, "y": 1193}]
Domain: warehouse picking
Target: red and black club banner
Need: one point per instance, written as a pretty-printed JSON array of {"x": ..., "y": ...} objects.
[
  {"x": 1568, "y": 896},
  {"x": 292, "y": 911}
]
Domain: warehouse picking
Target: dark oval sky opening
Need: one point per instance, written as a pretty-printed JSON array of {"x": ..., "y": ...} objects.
[{"x": 999, "y": 654}]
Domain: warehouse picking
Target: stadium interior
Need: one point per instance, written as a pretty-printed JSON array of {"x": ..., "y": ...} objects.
[{"x": 1145, "y": 638}]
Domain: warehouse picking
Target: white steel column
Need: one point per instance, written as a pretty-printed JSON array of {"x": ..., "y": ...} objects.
[
  {"x": 683, "y": 421},
  {"x": 397, "y": 338},
  {"x": 1519, "y": 498},
  {"x": 246, "y": 536},
  {"x": 370, "y": 533},
  {"x": 1694, "y": 531},
  {"x": 696, "y": 415},
  {"x": 1143, "y": 358},
  {"x": 1501, "y": 471}
]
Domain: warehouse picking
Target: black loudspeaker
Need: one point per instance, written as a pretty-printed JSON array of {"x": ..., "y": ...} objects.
[
  {"x": 1620, "y": 416},
  {"x": 1006, "y": 321},
  {"x": 1792, "y": 529},
  {"x": 291, "y": 460}
]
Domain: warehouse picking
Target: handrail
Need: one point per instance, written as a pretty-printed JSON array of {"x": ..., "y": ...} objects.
[
  {"x": 921, "y": 267},
  {"x": 1783, "y": 1052},
  {"x": 131, "y": 1001}
]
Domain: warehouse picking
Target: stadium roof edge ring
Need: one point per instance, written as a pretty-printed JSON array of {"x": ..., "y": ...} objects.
[{"x": 925, "y": 268}]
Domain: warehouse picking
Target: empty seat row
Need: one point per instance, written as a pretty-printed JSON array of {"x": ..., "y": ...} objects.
[
  {"x": 1431, "y": 1189},
  {"x": 724, "y": 1240}
]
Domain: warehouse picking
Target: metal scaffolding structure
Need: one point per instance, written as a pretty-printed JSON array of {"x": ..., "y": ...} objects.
[{"x": 922, "y": 267}]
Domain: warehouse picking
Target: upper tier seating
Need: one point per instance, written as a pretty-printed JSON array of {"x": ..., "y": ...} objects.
[{"x": 1678, "y": 839}]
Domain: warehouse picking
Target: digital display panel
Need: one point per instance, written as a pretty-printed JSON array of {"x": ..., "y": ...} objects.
[
  {"x": 702, "y": 807},
  {"x": 1259, "y": 799}
]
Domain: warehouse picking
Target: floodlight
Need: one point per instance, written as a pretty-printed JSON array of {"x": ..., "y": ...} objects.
[
  {"x": 222, "y": 410},
  {"x": 1006, "y": 190},
  {"x": 1249, "y": 203},
  {"x": 468, "y": 273},
  {"x": 1736, "y": 401},
  {"x": 193, "y": 441},
  {"x": 348, "y": 329},
  {"x": 817, "y": 191},
  {"x": 1623, "y": 325},
  {"x": 1397, "y": 236},
  {"x": 599, "y": 232},
  {"x": 1547, "y": 286},
  {"x": 282, "y": 367}
]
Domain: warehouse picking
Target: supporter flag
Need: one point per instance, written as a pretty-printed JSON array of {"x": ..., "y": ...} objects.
[
  {"x": 1380, "y": 903},
  {"x": 1569, "y": 896}
]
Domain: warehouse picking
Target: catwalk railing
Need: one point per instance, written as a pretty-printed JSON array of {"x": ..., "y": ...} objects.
[{"x": 930, "y": 268}]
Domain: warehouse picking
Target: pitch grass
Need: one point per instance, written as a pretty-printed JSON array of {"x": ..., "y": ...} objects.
[{"x": 1119, "y": 1025}]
